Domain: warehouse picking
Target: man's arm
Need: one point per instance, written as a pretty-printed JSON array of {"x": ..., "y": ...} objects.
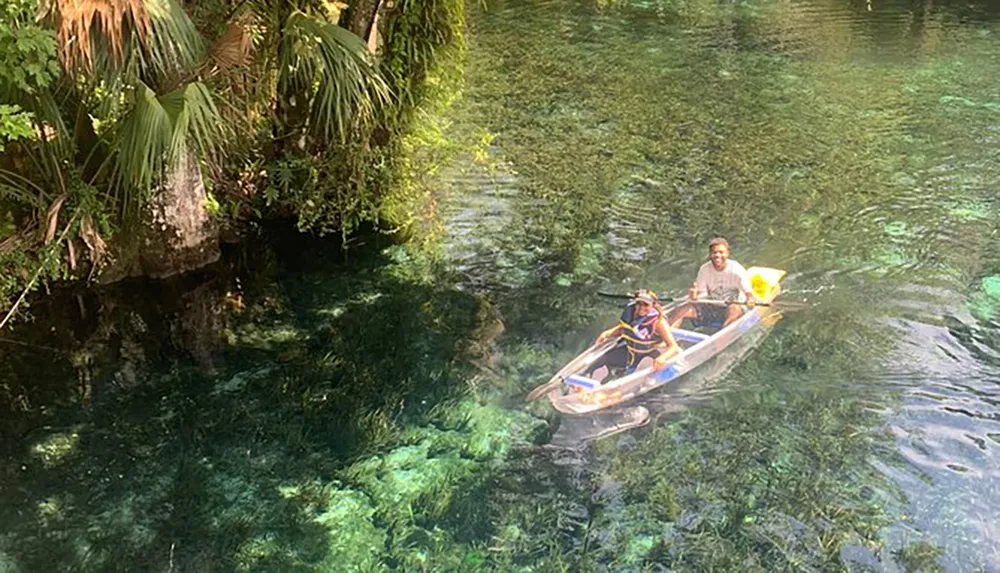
[{"x": 746, "y": 286}]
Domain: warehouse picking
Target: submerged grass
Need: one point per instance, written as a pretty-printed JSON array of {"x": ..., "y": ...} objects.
[{"x": 338, "y": 430}]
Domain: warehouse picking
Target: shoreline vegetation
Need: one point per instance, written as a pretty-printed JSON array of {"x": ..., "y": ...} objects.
[{"x": 138, "y": 135}]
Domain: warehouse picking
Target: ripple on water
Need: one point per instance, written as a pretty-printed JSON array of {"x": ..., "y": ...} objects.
[{"x": 943, "y": 431}]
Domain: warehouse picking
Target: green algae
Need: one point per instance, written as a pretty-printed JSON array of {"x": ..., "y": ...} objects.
[
  {"x": 239, "y": 381},
  {"x": 971, "y": 210},
  {"x": 991, "y": 287},
  {"x": 8, "y": 564},
  {"x": 588, "y": 264},
  {"x": 54, "y": 448},
  {"x": 897, "y": 229},
  {"x": 410, "y": 475},
  {"x": 919, "y": 557},
  {"x": 408, "y": 486},
  {"x": 253, "y": 553},
  {"x": 984, "y": 303},
  {"x": 491, "y": 431},
  {"x": 419, "y": 480},
  {"x": 767, "y": 473},
  {"x": 266, "y": 339},
  {"x": 354, "y": 538}
]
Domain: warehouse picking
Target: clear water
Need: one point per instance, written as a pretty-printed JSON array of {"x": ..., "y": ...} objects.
[{"x": 369, "y": 414}]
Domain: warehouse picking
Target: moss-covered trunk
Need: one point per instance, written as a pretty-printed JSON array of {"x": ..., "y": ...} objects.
[
  {"x": 176, "y": 235},
  {"x": 361, "y": 18}
]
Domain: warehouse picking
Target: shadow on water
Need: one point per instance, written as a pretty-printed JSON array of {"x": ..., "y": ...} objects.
[{"x": 151, "y": 436}]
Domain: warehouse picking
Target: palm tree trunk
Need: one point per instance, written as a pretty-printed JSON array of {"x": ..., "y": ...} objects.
[
  {"x": 279, "y": 108},
  {"x": 361, "y": 15},
  {"x": 179, "y": 235}
]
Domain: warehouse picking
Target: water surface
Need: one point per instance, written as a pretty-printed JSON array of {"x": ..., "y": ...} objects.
[
  {"x": 853, "y": 145},
  {"x": 293, "y": 411}
]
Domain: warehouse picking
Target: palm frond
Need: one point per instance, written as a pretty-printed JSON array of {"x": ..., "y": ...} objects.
[
  {"x": 198, "y": 121},
  {"x": 51, "y": 142},
  {"x": 335, "y": 69},
  {"x": 52, "y": 219},
  {"x": 175, "y": 44},
  {"x": 92, "y": 238},
  {"x": 155, "y": 37},
  {"x": 157, "y": 132},
  {"x": 76, "y": 22},
  {"x": 231, "y": 49},
  {"x": 146, "y": 134},
  {"x": 19, "y": 189}
]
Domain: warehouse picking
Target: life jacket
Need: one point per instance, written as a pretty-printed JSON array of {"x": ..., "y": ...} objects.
[{"x": 640, "y": 333}]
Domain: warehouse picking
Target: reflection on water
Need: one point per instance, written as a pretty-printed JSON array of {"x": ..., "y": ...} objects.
[{"x": 369, "y": 416}]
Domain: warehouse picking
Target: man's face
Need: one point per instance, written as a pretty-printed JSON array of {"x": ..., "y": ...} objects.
[{"x": 719, "y": 255}]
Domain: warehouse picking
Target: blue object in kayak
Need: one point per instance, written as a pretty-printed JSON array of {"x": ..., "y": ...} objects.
[
  {"x": 681, "y": 335},
  {"x": 582, "y": 381}
]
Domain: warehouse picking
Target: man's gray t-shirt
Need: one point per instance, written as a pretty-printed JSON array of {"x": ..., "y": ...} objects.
[{"x": 728, "y": 284}]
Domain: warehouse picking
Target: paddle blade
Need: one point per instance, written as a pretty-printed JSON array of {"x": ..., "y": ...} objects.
[{"x": 790, "y": 306}]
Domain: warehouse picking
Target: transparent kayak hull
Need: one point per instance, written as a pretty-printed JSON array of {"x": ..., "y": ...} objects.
[{"x": 697, "y": 349}]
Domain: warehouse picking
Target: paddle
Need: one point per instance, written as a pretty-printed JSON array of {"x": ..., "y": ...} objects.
[
  {"x": 779, "y": 304},
  {"x": 556, "y": 380},
  {"x": 628, "y": 296}
]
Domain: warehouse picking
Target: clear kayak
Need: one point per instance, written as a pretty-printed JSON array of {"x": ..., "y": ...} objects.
[{"x": 571, "y": 392}]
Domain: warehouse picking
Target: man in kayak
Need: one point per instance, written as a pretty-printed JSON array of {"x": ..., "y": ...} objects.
[
  {"x": 720, "y": 279},
  {"x": 647, "y": 336}
]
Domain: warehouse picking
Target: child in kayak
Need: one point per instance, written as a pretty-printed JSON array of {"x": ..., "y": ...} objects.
[{"x": 647, "y": 336}]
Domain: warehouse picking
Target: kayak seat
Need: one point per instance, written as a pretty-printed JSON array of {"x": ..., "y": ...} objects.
[
  {"x": 688, "y": 336},
  {"x": 582, "y": 381}
]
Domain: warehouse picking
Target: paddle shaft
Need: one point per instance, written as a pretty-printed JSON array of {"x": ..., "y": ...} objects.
[
  {"x": 729, "y": 302},
  {"x": 671, "y": 299},
  {"x": 781, "y": 304},
  {"x": 629, "y": 296},
  {"x": 786, "y": 305}
]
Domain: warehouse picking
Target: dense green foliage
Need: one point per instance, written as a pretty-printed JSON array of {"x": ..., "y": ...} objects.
[
  {"x": 289, "y": 114},
  {"x": 376, "y": 176},
  {"x": 27, "y": 51}
]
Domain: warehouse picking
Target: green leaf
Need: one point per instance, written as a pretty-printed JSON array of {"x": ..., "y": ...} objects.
[
  {"x": 331, "y": 67},
  {"x": 158, "y": 130}
]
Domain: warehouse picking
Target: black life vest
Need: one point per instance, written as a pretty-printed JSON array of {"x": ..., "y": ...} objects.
[{"x": 639, "y": 332}]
